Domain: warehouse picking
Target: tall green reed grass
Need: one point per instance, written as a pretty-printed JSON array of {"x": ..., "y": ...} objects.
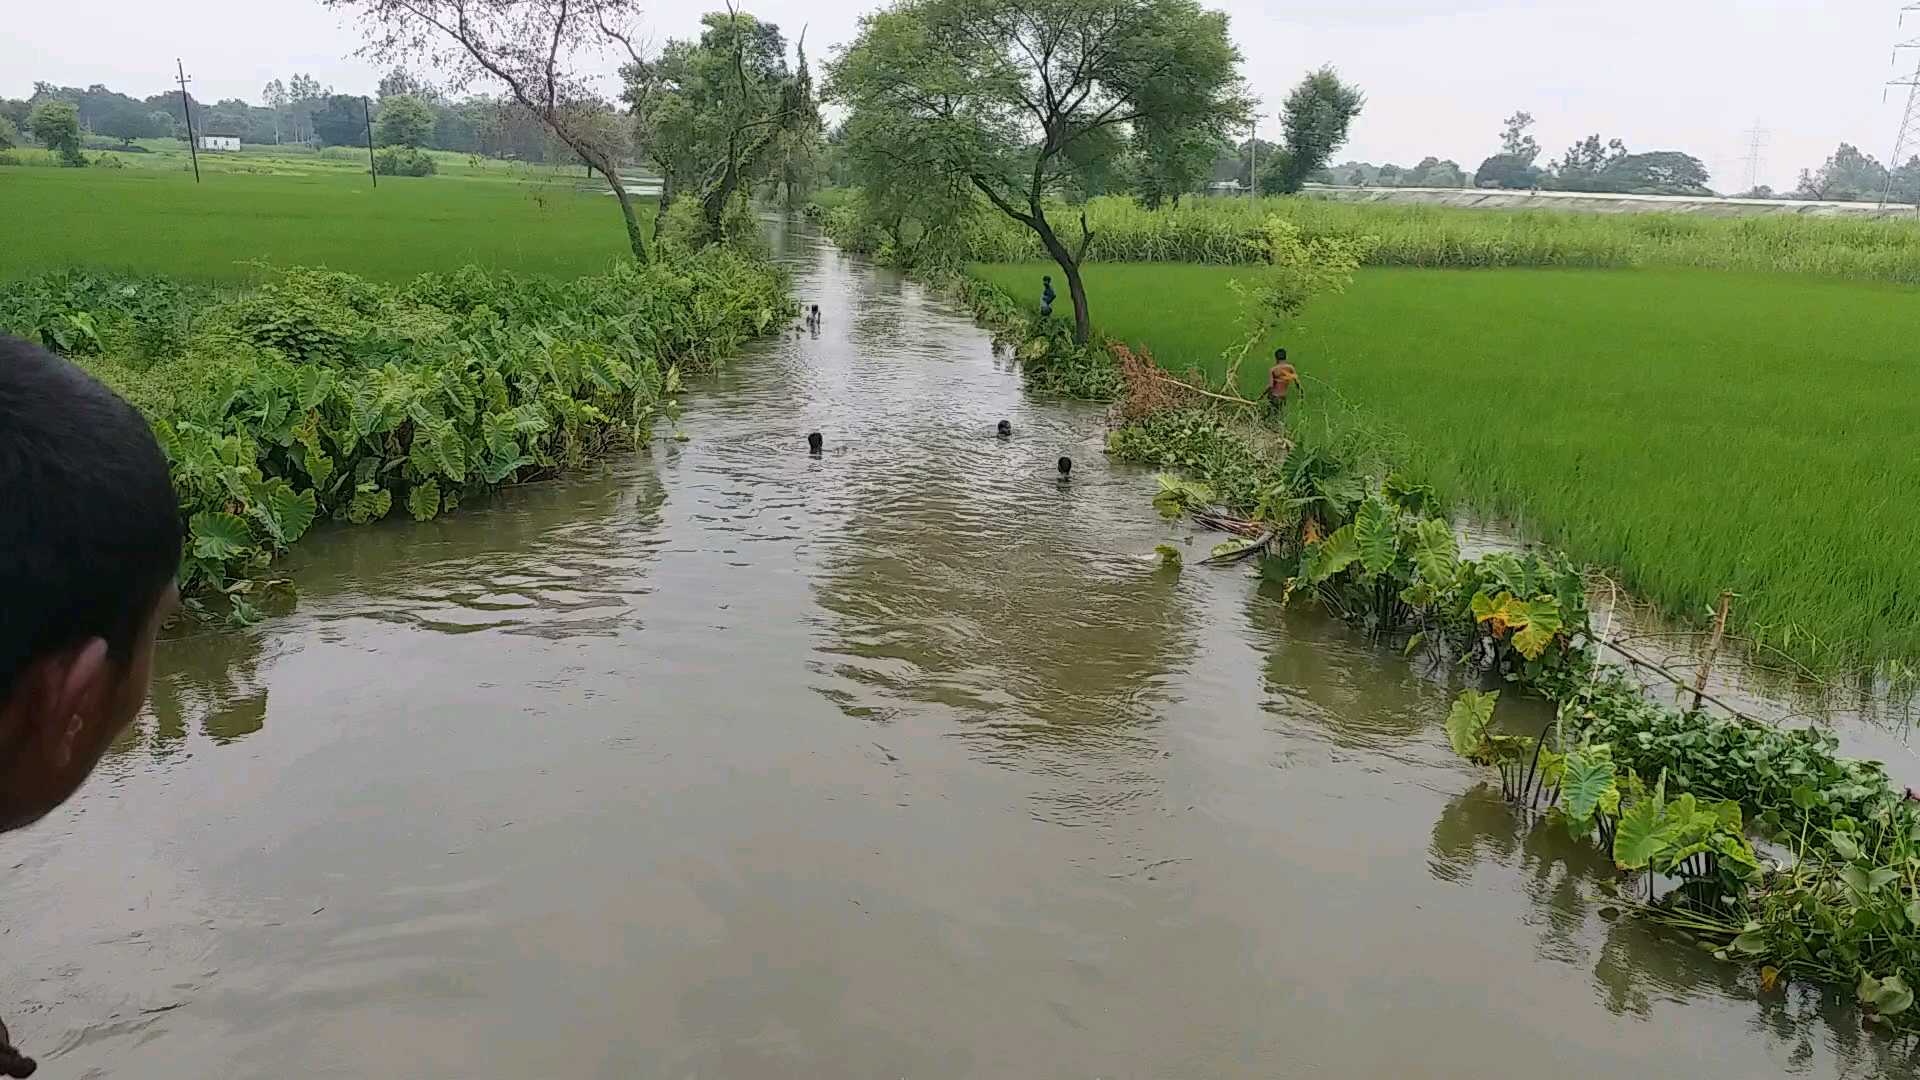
[{"x": 1229, "y": 231}]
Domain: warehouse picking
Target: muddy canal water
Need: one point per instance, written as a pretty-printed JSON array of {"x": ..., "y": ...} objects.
[{"x": 900, "y": 761}]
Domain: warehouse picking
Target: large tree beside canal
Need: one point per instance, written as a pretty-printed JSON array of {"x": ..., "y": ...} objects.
[
  {"x": 528, "y": 46},
  {"x": 1003, "y": 95}
]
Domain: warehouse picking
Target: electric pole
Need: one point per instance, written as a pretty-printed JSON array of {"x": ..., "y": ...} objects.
[
  {"x": 1253, "y": 159},
  {"x": 1907, "y": 137},
  {"x": 186, "y": 108},
  {"x": 373, "y": 170}
]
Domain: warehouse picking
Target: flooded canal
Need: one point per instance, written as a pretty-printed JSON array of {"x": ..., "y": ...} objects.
[{"x": 901, "y": 761}]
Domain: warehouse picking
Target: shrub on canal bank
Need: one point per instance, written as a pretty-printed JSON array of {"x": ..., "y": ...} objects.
[
  {"x": 1676, "y": 796},
  {"x": 324, "y": 394}
]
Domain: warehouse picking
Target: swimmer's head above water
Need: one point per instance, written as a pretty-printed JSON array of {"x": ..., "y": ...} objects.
[
  {"x": 1066, "y": 466},
  {"x": 1004, "y": 429},
  {"x": 814, "y": 442}
]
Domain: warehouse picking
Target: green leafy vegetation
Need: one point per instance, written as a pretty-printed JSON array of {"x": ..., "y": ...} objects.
[
  {"x": 321, "y": 394},
  {"x": 218, "y": 231},
  {"x": 1842, "y": 906},
  {"x": 404, "y": 161},
  {"x": 1692, "y": 431},
  {"x": 1675, "y": 797}
]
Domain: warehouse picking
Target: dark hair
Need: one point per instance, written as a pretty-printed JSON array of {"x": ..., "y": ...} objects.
[
  {"x": 1066, "y": 465},
  {"x": 813, "y": 440},
  {"x": 91, "y": 535},
  {"x": 1046, "y": 277},
  {"x": 1004, "y": 427},
  {"x": 1279, "y": 354}
]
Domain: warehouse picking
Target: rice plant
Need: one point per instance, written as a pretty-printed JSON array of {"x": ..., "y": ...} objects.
[{"x": 1695, "y": 431}]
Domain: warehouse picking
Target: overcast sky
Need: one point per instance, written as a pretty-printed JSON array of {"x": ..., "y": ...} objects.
[{"x": 1678, "y": 74}]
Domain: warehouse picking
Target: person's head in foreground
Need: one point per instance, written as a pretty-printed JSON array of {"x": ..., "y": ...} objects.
[
  {"x": 1279, "y": 356},
  {"x": 89, "y": 548}
]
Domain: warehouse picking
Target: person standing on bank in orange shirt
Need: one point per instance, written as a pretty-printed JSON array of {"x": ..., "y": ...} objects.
[{"x": 1280, "y": 379}]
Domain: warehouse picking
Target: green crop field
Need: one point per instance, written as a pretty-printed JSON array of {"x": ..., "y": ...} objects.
[
  {"x": 1696, "y": 430},
  {"x": 313, "y": 211}
]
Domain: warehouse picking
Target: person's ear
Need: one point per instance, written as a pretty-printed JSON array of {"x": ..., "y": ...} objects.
[{"x": 79, "y": 685}]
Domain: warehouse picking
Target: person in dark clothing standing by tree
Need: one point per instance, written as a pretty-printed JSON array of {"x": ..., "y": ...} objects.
[
  {"x": 89, "y": 547},
  {"x": 1046, "y": 294}
]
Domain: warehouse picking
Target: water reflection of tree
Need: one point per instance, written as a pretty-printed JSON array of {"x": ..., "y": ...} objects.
[
  {"x": 206, "y": 681},
  {"x": 1636, "y": 965},
  {"x": 1362, "y": 693}
]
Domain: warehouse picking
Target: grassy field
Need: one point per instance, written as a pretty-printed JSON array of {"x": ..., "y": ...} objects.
[
  {"x": 290, "y": 208},
  {"x": 1430, "y": 237},
  {"x": 1695, "y": 430}
]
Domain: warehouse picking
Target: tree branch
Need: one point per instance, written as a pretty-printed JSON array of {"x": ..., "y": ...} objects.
[
  {"x": 1000, "y": 201},
  {"x": 553, "y": 54}
]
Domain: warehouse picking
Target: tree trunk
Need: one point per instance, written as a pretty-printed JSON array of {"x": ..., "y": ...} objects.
[
  {"x": 634, "y": 236},
  {"x": 1070, "y": 268},
  {"x": 667, "y": 195}
]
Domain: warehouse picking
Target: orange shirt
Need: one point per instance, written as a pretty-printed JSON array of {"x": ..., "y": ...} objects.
[{"x": 1281, "y": 379}]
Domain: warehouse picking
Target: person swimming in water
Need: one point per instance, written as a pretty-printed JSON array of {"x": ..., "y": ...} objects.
[
  {"x": 1066, "y": 466},
  {"x": 1004, "y": 429},
  {"x": 814, "y": 442}
]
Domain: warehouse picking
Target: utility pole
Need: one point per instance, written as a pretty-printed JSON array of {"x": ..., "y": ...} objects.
[
  {"x": 372, "y": 169},
  {"x": 186, "y": 108},
  {"x": 1908, "y": 135},
  {"x": 1253, "y": 159}
]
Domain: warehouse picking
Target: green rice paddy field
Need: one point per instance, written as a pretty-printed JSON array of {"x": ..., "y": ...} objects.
[
  {"x": 324, "y": 214},
  {"x": 1694, "y": 430}
]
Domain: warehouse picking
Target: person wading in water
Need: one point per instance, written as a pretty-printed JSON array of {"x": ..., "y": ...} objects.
[{"x": 1280, "y": 379}]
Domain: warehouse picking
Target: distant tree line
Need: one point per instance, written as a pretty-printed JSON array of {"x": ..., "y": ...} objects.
[
  {"x": 300, "y": 111},
  {"x": 1588, "y": 165},
  {"x": 1851, "y": 176}
]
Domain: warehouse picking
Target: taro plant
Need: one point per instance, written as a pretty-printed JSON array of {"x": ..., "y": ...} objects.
[{"x": 321, "y": 394}]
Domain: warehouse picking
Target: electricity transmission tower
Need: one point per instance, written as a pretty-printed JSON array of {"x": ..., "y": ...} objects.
[
  {"x": 1756, "y": 153},
  {"x": 1907, "y": 138}
]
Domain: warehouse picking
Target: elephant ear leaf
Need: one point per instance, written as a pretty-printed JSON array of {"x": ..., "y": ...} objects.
[
  {"x": 1643, "y": 832},
  {"x": 219, "y": 535},
  {"x": 1373, "y": 536},
  {"x": 286, "y": 514},
  {"x": 1335, "y": 553},
  {"x": 1586, "y": 778},
  {"x": 1436, "y": 554},
  {"x": 423, "y": 502},
  {"x": 1542, "y": 618},
  {"x": 1468, "y": 719}
]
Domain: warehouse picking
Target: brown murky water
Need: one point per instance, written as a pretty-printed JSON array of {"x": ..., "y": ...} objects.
[{"x": 905, "y": 761}]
